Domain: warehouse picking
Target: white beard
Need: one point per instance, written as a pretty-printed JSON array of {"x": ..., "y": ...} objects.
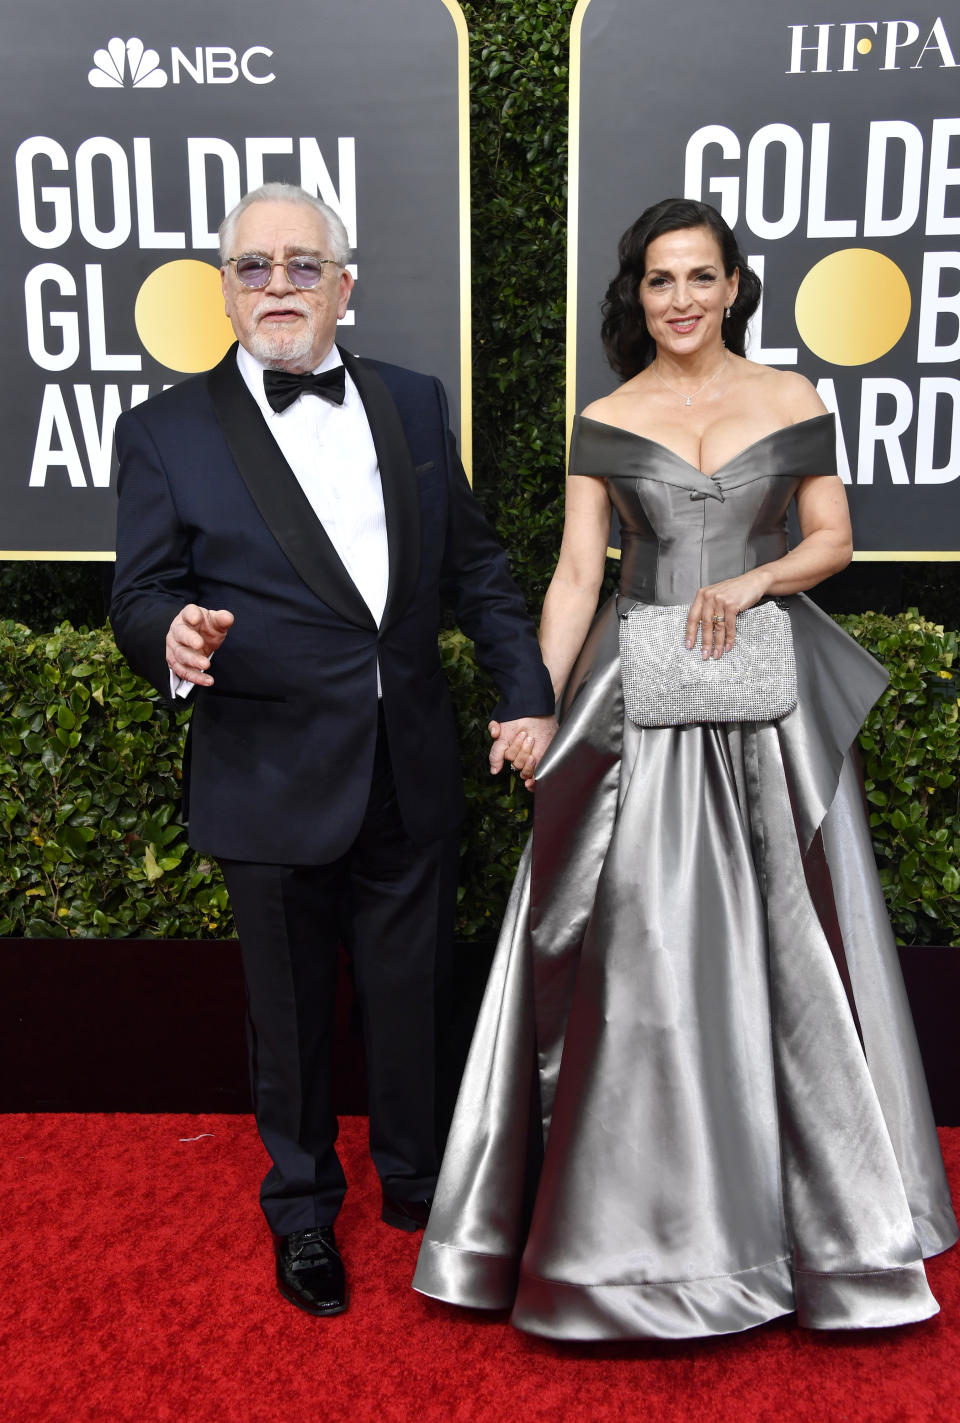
[{"x": 282, "y": 347}]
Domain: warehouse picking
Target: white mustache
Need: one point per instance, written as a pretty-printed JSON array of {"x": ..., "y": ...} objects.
[{"x": 289, "y": 303}]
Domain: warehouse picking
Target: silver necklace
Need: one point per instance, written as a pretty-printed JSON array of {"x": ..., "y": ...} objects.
[{"x": 688, "y": 399}]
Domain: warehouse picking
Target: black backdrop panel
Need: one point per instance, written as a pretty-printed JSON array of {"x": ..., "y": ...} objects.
[
  {"x": 833, "y": 148},
  {"x": 127, "y": 132}
]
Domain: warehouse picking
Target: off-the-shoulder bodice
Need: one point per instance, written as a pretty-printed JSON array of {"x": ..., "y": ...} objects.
[{"x": 682, "y": 529}]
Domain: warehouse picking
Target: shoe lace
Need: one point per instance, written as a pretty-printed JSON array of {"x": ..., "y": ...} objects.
[{"x": 313, "y": 1244}]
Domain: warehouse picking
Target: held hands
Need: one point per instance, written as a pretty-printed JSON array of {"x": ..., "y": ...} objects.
[
  {"x": 715, "y": 608},
  {"x": 522, "y": 744},
  {"x": 192, "y": 639}
]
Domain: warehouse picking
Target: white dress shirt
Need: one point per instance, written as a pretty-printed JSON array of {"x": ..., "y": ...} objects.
[{"x": 331, "y": 452}]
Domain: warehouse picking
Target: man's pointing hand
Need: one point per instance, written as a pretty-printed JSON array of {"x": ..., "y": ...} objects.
[{"x": 193, "y": 638}]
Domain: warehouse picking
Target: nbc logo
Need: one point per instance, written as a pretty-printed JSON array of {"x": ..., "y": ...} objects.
[
  {"x": 141, "y": 65},
  {"x": 131, "y": 66}
]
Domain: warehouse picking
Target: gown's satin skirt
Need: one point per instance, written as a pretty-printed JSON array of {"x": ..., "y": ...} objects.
[{"x": 694, "y": 1100}]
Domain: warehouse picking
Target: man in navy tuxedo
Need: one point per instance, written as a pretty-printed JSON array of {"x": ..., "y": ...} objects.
[{"x": 290, "y": 525}]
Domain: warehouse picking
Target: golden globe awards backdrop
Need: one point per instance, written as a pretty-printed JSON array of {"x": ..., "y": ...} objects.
[
  {"x": 128, "y": 131},
  {"x": 830, "y": 141}
]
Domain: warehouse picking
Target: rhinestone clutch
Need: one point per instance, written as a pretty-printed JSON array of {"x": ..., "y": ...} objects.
[{"x": 667, "y": 684}]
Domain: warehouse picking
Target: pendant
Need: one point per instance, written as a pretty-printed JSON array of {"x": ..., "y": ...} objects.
[{"x": 689, "y": 400}]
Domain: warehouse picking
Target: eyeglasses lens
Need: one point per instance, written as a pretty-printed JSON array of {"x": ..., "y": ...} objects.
[
  {"x": 253, "y": 271},
  {"x": 302, "y": 272}
]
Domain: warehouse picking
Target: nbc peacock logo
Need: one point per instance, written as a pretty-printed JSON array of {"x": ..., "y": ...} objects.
[{"x": 127, "y": 64}]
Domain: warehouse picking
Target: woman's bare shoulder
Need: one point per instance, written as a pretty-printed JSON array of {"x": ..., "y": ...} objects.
[
  {"x": 793, "y": 396},
  {"x": 620, "y": 406}
]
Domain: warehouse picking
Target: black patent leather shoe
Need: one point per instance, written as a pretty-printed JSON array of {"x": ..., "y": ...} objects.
[
  {"x": 405, "y": 1215},
  {"x": 310, "y": 1271}
]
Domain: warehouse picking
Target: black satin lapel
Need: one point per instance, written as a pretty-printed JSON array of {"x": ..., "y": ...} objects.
[
  {"x": 277, "y": 494},
  {"x": 398, "y": 480}
]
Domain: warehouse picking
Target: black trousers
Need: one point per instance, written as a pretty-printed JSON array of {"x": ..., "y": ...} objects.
[{"x": 391, "y": 903}]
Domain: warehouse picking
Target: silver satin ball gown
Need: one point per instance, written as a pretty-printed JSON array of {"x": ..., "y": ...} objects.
[{"x": 694, "y": 1100}]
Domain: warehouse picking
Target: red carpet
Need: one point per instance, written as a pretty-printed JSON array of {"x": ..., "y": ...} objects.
[{"x": 137, "y": 1285}]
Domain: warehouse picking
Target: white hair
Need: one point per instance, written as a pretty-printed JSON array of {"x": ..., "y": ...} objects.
[{"x": 286, "y": 193}]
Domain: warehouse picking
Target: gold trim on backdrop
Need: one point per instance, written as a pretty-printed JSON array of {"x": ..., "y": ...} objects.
[
  {"x": 864, "y": 556},
  {"x": 930, "y": 555},
  {"x": 573, "y": 213},
  {"x": 573, "y": 223},
  {"x": 466, "y": 335},
  {"x": 46, "y": 555},
  {"x": 887, "y": 556}
]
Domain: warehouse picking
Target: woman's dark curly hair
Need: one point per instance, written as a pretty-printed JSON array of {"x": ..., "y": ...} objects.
[{"x": 628, "y": 344}]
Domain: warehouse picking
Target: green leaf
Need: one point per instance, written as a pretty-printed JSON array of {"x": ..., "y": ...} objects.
[{"x": 151, "y": 869}]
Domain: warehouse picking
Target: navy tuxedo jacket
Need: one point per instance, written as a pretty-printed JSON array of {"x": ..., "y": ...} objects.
[{"x": 280, "y": 751}]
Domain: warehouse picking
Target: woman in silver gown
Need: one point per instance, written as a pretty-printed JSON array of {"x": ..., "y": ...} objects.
[{"x": 694, "y": 1101}]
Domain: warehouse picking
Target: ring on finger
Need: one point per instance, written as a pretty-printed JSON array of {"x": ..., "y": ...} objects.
[{"x": 717, "y": 618}]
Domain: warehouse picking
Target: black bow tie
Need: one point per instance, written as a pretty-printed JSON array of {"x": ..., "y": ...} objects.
[{"x": 282, "y": 388}]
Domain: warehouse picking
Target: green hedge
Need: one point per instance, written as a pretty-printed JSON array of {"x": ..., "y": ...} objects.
[
  {"x": 910, "y": 746},
  {"x": 90, "y": 769},
  {"x": 518, "y": 118},
  {"x": 90, "y": 786}
]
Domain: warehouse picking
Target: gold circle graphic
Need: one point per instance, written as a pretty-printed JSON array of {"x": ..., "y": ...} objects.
[
  {"x": 864, "y": 46},
  {"x": 180, "y": 316},
  {"x": 853, "y": 307}
]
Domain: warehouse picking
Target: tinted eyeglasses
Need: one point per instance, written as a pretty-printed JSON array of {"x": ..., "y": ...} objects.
[{"x": 302, "y": 272}]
